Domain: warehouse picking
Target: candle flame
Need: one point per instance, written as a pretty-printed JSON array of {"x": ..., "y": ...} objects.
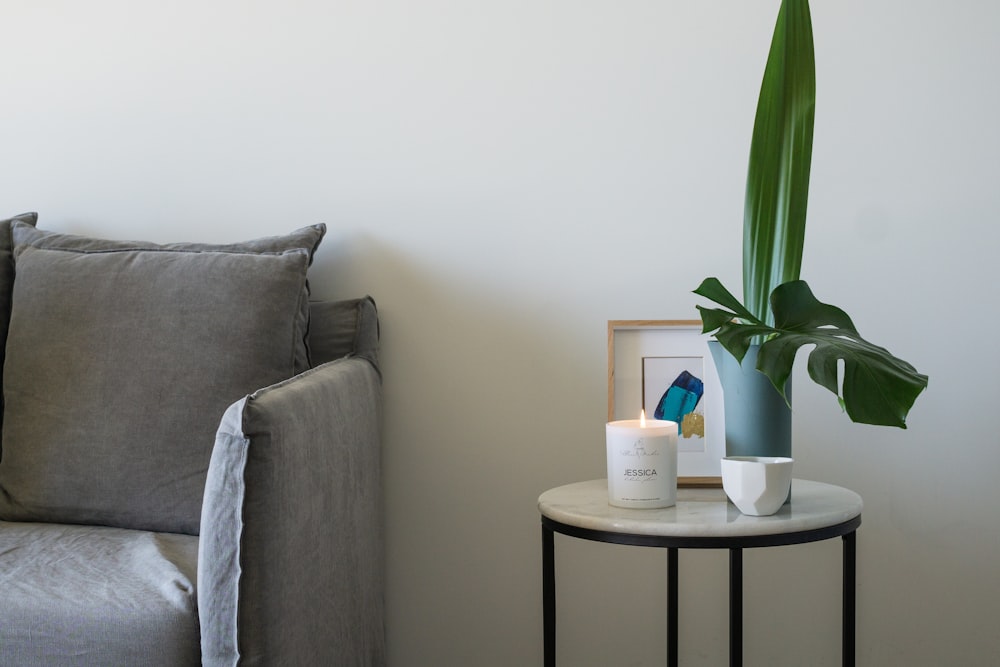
[{"x": 642, "y": 418}]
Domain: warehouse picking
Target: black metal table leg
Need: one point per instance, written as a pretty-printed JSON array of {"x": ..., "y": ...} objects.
[
  {"x": 549, "y": 596},
  {"x": 735, "y": 607},
  {"x": 672, "y": 633},
  {"x": 574, "y": 506},
  {"x": 850, "y": 601}
]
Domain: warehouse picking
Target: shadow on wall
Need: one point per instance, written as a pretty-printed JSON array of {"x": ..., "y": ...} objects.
[
  {"x": 467, "y": 356},
  {"x": 483, "y": 387}
]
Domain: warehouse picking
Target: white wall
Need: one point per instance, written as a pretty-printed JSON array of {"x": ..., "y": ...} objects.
[{"x": 506, "y": 176}]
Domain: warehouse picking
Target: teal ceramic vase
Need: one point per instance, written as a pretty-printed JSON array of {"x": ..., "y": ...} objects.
[{"x": 758, "y": 421}]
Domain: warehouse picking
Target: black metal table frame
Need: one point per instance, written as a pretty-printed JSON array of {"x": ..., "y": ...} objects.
[{"x": 735, "y": 544}]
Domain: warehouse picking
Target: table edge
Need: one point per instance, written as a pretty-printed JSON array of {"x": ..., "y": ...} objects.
[
  {"x": 765, "y": 530},
  {"x": 705, "y": 541}
]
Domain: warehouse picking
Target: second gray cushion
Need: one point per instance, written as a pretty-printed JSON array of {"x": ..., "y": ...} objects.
[{"x": 121, "y": 362}]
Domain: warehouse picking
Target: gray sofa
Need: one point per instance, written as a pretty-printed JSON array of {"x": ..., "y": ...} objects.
[{"x": 189, "y": 471}]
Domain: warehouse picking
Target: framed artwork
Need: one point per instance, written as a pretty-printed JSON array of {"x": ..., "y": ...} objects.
[{"x": 664, "y": 367}]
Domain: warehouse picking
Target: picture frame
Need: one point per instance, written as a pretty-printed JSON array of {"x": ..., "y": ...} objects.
[{"x": 664, "y": 367}]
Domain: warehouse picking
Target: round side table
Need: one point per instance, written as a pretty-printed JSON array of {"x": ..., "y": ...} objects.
[{"x": 701, "y": 519}]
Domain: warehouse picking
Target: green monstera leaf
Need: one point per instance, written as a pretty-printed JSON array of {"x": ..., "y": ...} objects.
[{"x": 877, "y": 387}]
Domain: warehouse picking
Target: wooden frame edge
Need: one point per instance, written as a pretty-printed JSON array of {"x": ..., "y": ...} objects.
[{"x": 613, "y": 325}]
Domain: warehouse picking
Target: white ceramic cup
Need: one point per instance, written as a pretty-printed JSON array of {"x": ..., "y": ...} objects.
[{"x": 757, "y": 485}]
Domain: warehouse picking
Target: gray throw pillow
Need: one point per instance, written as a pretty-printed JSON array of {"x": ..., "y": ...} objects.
[
  {"x": 7, "y": 278},
  {"x": 122, "y": 358}
]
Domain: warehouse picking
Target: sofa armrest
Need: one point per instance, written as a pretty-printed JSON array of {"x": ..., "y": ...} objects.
[
  {"x": 341, "y": 328},
  {"x": 290, "y": 565}
]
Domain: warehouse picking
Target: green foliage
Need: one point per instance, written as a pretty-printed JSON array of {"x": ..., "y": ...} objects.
[
  {"x": 878, "y": 388},
  {"x": 781, "y": 312},
  {"x": 774, "y": 217}
]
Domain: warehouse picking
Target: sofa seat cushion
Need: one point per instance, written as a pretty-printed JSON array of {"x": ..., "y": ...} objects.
[
  {"x": 88, "y": 595},
  {"x": 121, "y": 359}
]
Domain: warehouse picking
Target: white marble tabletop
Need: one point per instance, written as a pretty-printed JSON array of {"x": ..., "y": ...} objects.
[{"x": 699, "y": 512}]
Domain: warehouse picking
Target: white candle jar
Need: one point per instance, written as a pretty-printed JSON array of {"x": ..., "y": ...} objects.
[{"x": 642, "y": 463}]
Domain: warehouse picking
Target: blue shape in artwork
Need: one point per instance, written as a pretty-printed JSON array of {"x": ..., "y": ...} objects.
[{"x": 680, "y": 398}]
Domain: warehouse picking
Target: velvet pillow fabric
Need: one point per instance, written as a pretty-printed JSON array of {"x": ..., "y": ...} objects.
[{"x": 122, "y": 358}]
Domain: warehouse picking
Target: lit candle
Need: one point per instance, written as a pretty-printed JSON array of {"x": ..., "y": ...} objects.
[{"x": 642, "y": 462}]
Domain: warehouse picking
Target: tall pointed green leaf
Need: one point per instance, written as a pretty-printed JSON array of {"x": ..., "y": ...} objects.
[
  {"x": 779, "y": 311},
  {"x": 780, "y": 157}
]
